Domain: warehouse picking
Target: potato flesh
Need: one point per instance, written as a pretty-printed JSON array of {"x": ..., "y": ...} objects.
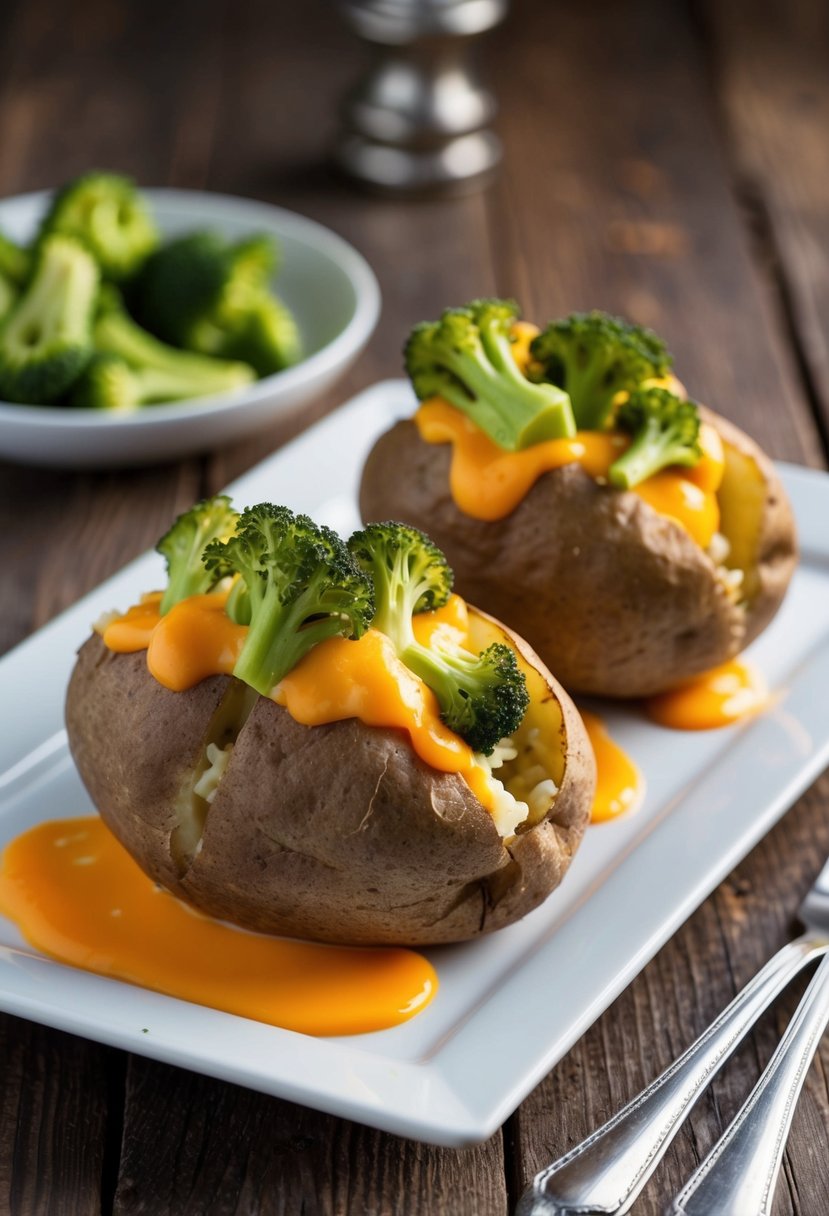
[
  {"x": 741, "y": 497},
  {"x": 191, "y": 807}
]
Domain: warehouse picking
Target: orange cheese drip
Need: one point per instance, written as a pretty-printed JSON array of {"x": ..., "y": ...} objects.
[
  {"x": 488, "y": 482},
  {"x": 337, "y": 679},
  {"x": 619, "y": 784},
  {"x": 133, "y": 630},
  {"x": 77, "y": 895},
  {"x": 718, "y": 697},
  {"x": 365, "y": 679},
  {"x": 194, "y": 640}
]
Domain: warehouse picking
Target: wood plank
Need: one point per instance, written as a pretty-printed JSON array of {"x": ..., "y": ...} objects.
[
  {"x": 275, "y": 133},
  {"x": 58, "y": 1099},
  {"x": 772, "y": 80},
  {"x": 194, "y": 1145},
  {"x": 616, "y": 194},
  {"x": 78, "y": 528}
]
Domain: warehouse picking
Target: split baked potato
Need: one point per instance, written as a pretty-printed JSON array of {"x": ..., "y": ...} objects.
[
  {"x": 616, "y": 597},
  {"x": 335, "y": 832}
]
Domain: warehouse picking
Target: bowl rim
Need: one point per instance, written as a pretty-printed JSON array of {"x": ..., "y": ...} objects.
[{"x": 338, "y": 350}]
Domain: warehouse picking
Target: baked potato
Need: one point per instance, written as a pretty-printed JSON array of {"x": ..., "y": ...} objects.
[
  {"x": 335, "y": 832},
  {"x": 615, "y": 596}
]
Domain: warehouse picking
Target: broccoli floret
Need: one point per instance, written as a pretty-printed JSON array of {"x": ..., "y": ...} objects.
[
  {"x": 482, "y": 697},
  {"x": 302, "y": 587},
  {"x": 266, "y": 337},
  {"x": 107, "y": 383},
  {"x": 466, "y": 357},
  {"x": 107, "y": 214},
  {"x": 665, "y": 431},
  {"x": 15, "y": 262},
  {"x": 594, "y": 356},
  {"x": 165, "y": 374},
  {"x": 206, "y": 295},
  {"x": 45, "y": 341},
  {"x": 182, "y": 547}
]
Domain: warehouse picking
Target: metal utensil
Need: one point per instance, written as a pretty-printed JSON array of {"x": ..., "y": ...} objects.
[
  {"x": 417, "y": 122},
  {"x": 606, "y": 1172},
  {"x": 740, "y": 1173}
]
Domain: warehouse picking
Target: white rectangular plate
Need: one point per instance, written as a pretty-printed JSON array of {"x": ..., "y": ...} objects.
[{"x": 510, "y": 1006}]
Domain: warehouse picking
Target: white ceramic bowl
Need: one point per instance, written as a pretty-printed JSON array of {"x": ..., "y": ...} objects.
[{"x": 329, "y": 287}]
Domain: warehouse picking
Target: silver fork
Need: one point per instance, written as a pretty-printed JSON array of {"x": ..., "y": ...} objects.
[{"x": 605, "y": 1173}]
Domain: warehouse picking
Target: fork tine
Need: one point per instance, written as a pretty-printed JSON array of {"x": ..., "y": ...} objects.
[{"x": 740, "y": 1173}]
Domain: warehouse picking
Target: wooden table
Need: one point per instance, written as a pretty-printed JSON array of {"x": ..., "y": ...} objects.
[{"x": 668, "y": 164}]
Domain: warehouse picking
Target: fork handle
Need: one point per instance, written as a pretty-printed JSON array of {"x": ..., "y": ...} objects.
[
  {"x": 738, "y": 1176},
  {"x": 606, "y": 1172}
]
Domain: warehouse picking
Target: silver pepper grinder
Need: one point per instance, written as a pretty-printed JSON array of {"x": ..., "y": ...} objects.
[{"x": 417, "y": 121}]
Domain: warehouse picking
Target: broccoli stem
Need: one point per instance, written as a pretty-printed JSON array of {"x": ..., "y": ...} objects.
[
  {"x": 664, "y": 430},
  {"x": 513, "y": 411},
  {"x": 168, "y": 374},
  {"x": 277, "y": 640}
]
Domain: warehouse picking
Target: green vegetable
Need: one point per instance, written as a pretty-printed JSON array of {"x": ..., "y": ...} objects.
[
  {"x": 184, "y": 544},
  {"x": 302, "y": 586},
  {"x": 166, "y": 374},
  {"x": 8, "y": 295},
  {"x": 15, "y": 262},
  {"x": 482, "y": 697},
  {"x": 206, "y": 295},
  {"x": 466, "y": 357},
  {"x": 45, "y": 341},
  {"x": 594, "y": 356},
  {"x": 664, "y": 430},
  {"x": 107, "y": 214}
]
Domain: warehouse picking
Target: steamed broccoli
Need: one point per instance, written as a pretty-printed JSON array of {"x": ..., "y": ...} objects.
[
  {"x": 8, "y": 295},
  {"x": 482, "y": 697},
  {"x": 15, "y": 262},
  {"x": 594, "y": 356},
  {"x": 185, "y": 542},
  {"x": 45, "y": 341},
  {"x": 107, "y": 214},
  {"x": 664, "y": 430},
  {"x": 205, "y": 295},
  {"x": 466, "y": 357},
  {"x": 302, "y": 587},
  {"x": 163, "y": 373}
]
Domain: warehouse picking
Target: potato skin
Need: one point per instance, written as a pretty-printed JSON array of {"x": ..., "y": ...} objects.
[
  {"x": 336, "y": 833},
  {"x": 616, "y": 599}
]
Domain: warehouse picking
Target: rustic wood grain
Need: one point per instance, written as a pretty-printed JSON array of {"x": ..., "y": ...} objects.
[
  {"x": 425, "y": 254},
  {"x": 770, "y": 67},
  {"x": 57, "y": 1096},
  {"x": 195, "y": 1147},
  {"x": 615, "y": 194}
]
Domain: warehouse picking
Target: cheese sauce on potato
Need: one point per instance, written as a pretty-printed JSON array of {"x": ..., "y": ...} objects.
[
  {"x": 488, "y": 482},
  {"x": 338, "y": 679},
  {"x": 77, "y": 895}
]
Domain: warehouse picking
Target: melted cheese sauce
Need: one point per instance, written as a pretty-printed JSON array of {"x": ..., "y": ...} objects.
[
  {"x": 338, "y": 679},
  {"x": 488, "y": 483},
  {"x": 619, "y": 785},
  {"x": 78, "y": 896},
  {"x": 366, "y": 680},
  {"x": 716, "y": 698}
]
